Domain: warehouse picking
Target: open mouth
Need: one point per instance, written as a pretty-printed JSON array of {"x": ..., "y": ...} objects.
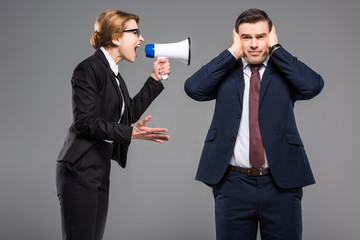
[{"x": 138, "y": 46}]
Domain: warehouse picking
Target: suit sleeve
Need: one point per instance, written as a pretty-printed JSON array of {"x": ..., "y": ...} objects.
[
  {"x": 86, "y": 92},
  {"x": 304, "y": 82},
  {"x": 144, "y": 98},
  {"x": 202, "y": 85}
]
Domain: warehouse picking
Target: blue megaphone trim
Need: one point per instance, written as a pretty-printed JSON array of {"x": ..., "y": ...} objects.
[{"x": 149, "y": 50}]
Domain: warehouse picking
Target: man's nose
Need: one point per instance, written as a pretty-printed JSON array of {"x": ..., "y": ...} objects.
[{"x": 254, "y": 43}]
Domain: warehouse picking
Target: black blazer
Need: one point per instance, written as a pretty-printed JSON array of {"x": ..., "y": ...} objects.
[{"x": 97, "y": 101}]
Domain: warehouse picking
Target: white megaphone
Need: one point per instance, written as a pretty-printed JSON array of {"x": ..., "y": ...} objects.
[{"x": 180, "y": 51}]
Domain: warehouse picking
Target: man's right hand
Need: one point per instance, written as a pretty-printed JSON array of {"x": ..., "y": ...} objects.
[{"x": 235, "y": 48}]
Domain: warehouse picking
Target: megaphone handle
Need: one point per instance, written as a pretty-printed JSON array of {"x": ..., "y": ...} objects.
[{"x": 166, "y": 76}]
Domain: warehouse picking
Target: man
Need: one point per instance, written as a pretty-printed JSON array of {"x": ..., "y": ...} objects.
[{"x": 253, "y": 156}]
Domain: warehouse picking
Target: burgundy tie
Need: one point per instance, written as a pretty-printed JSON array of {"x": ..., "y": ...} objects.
[{"x": 256, "y": 153}]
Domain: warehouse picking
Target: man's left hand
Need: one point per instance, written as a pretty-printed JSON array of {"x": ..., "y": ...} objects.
[{"x": 273, "y": 39}]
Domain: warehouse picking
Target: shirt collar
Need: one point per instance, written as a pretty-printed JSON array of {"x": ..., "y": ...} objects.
[{"x": 114, "y": 67}]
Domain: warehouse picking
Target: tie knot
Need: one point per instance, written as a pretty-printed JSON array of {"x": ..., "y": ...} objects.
[{"x": 255, "y": 67}]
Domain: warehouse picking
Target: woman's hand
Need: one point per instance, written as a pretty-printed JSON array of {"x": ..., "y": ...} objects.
[
  {"x": 140, "y": 131},
  {"x": 161, "y": 67}
]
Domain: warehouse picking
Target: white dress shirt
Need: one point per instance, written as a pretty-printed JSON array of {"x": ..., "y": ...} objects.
[{"x": 240, "y": 156}]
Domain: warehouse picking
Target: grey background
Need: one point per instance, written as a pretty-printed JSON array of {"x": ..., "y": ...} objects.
[{"x": 156, "y": 197}]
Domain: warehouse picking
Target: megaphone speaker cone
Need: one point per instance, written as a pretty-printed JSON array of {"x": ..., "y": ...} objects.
[{"x": 179, "y": 51}]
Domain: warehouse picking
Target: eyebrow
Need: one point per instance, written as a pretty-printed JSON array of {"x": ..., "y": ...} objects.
[{"x": 246, "y": 34}]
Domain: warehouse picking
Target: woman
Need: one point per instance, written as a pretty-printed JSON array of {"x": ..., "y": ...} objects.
[{"x": 102, "y": 114}]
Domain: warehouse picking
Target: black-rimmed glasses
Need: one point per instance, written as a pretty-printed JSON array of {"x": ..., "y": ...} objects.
[{"x": 136, "y": 31}]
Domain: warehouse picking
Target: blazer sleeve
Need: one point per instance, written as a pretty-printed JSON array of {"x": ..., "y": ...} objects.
[
  {"x": 304, "y": 82},
  {"x": 202, "y": 85},
  {"x": 144, "y": 98},
  {"x": 86, "y": 90}
]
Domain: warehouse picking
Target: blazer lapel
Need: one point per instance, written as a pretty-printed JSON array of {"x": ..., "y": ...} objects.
[
  {"x": 111, "y": 74},
  {"x": 238, "y": 76},
  {"x": 265, "y": 80},
  {"x": 126, "y": 119},
  {"x": 124, "y": 88},
  {"x": 115, "y": 84}
]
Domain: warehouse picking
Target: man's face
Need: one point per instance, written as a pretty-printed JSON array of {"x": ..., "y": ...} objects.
[{"x": 254, "y": 41}]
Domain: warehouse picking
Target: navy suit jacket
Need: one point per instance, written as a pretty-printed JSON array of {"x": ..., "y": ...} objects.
[
  {"x": 97, "y": 102},
  {"x": 284, "y": 81}
]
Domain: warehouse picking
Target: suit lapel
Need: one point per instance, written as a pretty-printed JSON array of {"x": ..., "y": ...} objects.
[
  {"x": 265, "y": 80},
  {"x": 110, "y": 73},
  {"x": 124, "y": 88},
  {"x": 126, "y": 119},
  {"x": 238, "y": 76},
  {"x": 114, "y": 82}
]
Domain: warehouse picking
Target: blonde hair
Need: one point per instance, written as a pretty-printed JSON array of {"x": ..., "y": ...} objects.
[{"x": 108, "y": 25}]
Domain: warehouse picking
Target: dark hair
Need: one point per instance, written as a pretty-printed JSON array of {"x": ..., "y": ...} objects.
[
  {"x": 252, "y": 15},
  {"x": 109, "y": 24}
]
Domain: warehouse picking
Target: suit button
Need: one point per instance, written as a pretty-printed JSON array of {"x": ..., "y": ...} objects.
[
  {"x": 233, "y": 139},
  {"x": 238, "y": 116}
]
